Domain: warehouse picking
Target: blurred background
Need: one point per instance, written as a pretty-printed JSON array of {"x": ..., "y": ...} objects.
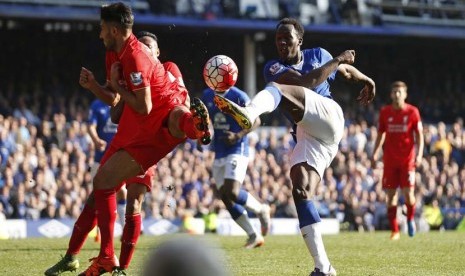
[{"x": 45, "y": 148}]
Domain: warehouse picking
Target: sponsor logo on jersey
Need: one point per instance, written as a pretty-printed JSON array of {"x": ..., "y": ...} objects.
[{"x": 136, "y": 78}]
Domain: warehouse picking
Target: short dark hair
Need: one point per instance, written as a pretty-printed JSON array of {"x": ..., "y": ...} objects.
[
  {"x": 145, "y": 33},
  {"x": 399, "y": 84},
  {"x": 117, "y": 13},
  {"x": 292, "y": 21}
]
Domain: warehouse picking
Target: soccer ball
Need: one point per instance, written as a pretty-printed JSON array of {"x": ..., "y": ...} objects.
[{"x": 220, "y": 73}]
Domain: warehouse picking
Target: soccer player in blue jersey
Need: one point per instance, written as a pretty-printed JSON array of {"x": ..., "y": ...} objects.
[
  {"x": 231, "y": 147},
  {"x": 102, "y": 130},
  {"x": 298, "y": 83}
]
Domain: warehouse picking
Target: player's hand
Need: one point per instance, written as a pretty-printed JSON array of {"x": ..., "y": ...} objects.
[
  {"x": 367, "y": 94},
  {"x": 115, "y": 74},
  {"x": 374, "y": 159},
  {"x": 100, "y": 144},
  {"x": 86, "y": 78},
  {"x": 231, "y": 138},
  {"x": 347, "y": 57}
]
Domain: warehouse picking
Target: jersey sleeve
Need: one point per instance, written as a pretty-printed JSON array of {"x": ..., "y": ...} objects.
[
  {"x": 273, "y": 70},
  {"x": 138, "y": 71}
]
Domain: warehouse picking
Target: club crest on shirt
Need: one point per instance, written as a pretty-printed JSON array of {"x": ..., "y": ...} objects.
[
  {"x": 136, "y": 78},
  {"x": 316, "y": 65},
  {"x": 275, "y": 68}
]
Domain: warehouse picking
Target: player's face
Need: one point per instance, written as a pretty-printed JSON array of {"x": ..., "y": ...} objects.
[
  {"x": 152, "y": 44},
  {"x": 398, "y": 95},
  {"x": 107, "y": 34},
  {"x": 287, "y": 42}
]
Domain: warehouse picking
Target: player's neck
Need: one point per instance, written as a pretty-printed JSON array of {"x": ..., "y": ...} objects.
[
  {"x": 121, "y": 42},
  {"x": 398, "y": 106}
]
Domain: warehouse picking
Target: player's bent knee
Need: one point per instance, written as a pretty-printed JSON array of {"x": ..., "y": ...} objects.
[{"x": 299, "y": 194}]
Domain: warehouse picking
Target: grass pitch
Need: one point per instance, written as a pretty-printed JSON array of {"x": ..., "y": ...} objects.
[{"x": 350, "y": 253}]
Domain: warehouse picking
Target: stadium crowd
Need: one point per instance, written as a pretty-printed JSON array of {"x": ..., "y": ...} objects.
[{"x": 46, "y": 152}]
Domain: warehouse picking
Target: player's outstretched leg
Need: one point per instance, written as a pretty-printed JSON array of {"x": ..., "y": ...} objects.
[
  {"x": 201, "y": 120},
  {"x": 262, "y": 211},
  {"x": 240, "y": 216},
  {"x": 238, "y": 113},
  {"x": 265, "y": 101},
  {"x": 67, "y": 263}
]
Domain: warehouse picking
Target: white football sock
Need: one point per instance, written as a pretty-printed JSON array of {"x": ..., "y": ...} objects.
[
  {"x": 121, "y": 209},
  {"x": 265, "y": 101},
  {"x": 244, "y": 223},
  {"x": 312, "y": 237},
  {"x": 252, "y": 204}
]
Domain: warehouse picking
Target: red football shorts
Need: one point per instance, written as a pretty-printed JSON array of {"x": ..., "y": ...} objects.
[
  {"x": 398, "y": 176},
  {"x": 142, "y": 179},
  {"x": 153, "y": 142}
]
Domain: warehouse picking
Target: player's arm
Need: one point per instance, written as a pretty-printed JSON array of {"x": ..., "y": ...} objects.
[
  {"x": 351, "y": 73},
  {"x": 116, "y": 112},
  {"x": 140, "y": 101},
  {"x": 100, "y": 144},
  {"x": 378, "y": 144},
  {"x": 103, "y": 92},
  {"x": 420, "y": 141},
  {"x": 316, "y": 76}
]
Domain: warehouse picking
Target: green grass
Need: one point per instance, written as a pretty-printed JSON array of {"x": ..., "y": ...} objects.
[{"x": 350, "y": 253}]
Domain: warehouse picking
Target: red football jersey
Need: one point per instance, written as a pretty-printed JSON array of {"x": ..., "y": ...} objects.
[
  {"x": 139, "y": 70},
  {"x": 400, "y": 127}
]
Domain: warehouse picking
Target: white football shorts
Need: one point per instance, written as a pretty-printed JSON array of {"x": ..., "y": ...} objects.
[
  {"x": 233, "y": 166},
  {"x": 319, "y": 132}
]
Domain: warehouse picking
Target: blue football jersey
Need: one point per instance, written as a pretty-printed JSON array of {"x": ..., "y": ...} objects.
[
  {"x": 99, "y": 114},
  {"x": 312, "y": 59},
  {"x": 222, "y": 122}
]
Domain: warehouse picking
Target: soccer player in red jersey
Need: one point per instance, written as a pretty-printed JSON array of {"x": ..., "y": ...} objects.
[
  {"x": 399, "y": 129},
  {"x": 154, "y": 109}
]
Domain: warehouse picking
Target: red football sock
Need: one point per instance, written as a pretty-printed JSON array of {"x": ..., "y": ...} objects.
[
  {"x": 83, "y": 225},
  {"x": 105, "y": 205},
  {"x": 392, "y": 216},
  {"x": 410, "y": 211},
  {"x": 186, "y": 124},
  {"x": 131, "y": 233}
]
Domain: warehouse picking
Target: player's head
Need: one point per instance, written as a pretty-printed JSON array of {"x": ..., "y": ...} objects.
[
  {"x": 150, "y": 40},
  {"x": 398, "y": 92},
  {"x": 115, "y": 20},
  {"x": 289, "y": 37}
]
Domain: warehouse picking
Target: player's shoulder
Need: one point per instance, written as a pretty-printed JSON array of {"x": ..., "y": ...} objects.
[
  {"x": 237, "y": 90},
  {"x": 96, "y": 103},
  {"x": 386, "y": 108},
  {"x": 170, "y": 65},
  {"x": 273, "y": 67},
  {"x": 411, "y": 107}
]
